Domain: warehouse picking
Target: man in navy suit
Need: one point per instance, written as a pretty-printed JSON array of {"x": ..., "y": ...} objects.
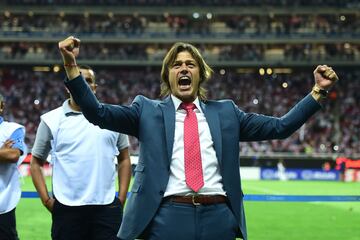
[{"x": 187, "y": 182}]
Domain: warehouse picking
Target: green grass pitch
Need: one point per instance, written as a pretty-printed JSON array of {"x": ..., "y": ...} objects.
[{"x": 265, "y": 220}]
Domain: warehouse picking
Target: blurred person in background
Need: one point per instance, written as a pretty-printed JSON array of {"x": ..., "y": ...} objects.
[
  {"x": 84, "y": 205},
  {"x": 281, "y": 170},
  {"x": 187, "y": 181},
  {"x": 12, "y": 147},
  {"x": 342, "y": 171},
  {"x": 341, "y": 167},
  {"x": 326, "y": 166}
]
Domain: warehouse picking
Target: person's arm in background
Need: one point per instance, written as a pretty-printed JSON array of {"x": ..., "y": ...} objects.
[
  {"x": 9, "y": 154},
  {"x": 124, "y": 168},
  {"x": 40, "y": 151},
  {"x": 13, "y": 148}
]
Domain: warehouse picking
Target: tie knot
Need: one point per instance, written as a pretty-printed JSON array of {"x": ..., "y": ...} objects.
[{"x": 188, "y": 106}]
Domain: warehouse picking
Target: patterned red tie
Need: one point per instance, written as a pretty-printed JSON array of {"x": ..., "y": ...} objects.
[{"x": 193, "y": 167}]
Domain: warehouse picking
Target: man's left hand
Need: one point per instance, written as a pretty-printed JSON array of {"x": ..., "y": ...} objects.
[
  {"x": 325, "y": 77},
  {"x": 8, "y": 144}
]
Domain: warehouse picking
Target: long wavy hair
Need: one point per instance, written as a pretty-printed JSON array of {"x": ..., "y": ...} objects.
[{"x": 204, "y": 68}]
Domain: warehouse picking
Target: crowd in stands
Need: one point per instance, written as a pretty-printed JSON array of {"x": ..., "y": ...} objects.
[
  {"x": 256, "y": 3},
  {"x": 213, "y": 52},
  {"x": 335, "y": 129},
  {"x": 134, "y": 25},
  {"x": 190, "y": 24}
]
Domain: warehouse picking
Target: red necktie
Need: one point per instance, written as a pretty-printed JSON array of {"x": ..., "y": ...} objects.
[{"x": 193, "y": 167}]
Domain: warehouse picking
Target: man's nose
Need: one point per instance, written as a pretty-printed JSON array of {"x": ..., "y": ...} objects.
[{"x": 184, "y": 68}]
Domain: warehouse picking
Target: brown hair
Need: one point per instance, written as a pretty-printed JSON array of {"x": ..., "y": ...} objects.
[{"x": 205, "y": 70}]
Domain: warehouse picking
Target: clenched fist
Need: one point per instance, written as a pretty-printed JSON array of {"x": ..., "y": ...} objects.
[
  {"x": 325, "y": 77},
  {"x": 69, "y": 49}
]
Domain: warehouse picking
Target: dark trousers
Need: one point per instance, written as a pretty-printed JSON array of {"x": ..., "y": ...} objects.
[
  {"x": 91, "y": 222},
  {"x": 179, "y": 221},
  {"x": 8, "y": 226}
]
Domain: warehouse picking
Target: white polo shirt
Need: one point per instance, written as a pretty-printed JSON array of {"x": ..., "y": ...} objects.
[
  {"x": 10, "y": 191},
  {"x": 82, "y": 154}
]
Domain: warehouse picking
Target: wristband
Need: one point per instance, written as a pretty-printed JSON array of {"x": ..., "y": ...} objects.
[
  {"x": 323, "y": 93},
  {"x": 47, "y": 200},
  {"x": 70, "y": 65}
]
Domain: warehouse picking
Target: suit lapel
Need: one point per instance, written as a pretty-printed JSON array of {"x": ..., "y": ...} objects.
[
  {"x": 168, "y": 110},
  {"x": 212, "y": 118}
]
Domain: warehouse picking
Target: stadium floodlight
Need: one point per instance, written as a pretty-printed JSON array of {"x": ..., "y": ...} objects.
[{"x": 196, "y": 15}]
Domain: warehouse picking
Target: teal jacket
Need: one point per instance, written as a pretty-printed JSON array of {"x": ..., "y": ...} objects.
[{"x": 153, "y": 123}]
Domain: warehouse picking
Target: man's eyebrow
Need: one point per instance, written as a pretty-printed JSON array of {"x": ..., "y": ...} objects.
[{"x": 186, "y": 61}]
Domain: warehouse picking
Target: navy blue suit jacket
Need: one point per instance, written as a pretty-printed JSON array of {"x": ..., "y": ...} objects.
[{"x": 153, "y": 123}]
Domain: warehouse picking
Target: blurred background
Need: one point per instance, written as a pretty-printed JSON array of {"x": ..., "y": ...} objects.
[{"x": 263, "y": 53}]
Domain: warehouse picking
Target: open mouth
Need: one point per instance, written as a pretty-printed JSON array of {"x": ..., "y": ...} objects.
[{"x": 184, "y": 82}]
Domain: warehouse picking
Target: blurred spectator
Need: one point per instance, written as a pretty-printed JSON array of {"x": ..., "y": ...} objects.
[
  {"x": 87, "y": 24},
  {"x": 281, "y": 170},
  {"x": 213, "y": 52},
  {"x": 256, "y": 3},
  {"x": 326, "y": 166}
]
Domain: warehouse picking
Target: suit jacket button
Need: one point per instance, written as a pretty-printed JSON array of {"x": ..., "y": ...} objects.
[{"x": 161, "y": 193}]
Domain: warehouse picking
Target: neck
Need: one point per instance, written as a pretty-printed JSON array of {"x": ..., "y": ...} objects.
[
  {"x": 73, "y": 105},
  {"x": 189, "y": 99}
]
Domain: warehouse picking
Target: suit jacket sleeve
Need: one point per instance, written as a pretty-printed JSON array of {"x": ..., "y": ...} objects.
[
  {"x": 117, "y": 118},
  {"x": 257, "y": 127}
]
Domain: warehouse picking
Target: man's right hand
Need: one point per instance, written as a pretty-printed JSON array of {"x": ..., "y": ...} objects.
[
  {"x": 69, "y": 49},
  {"x": 49, "y": 204}
]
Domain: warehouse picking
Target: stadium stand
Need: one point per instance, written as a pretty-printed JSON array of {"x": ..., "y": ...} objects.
[
  {"x": 334, "y": 3},
  {"x": 263, "y": 53}
]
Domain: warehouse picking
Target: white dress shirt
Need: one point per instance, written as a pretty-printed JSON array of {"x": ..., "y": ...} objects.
[{"x": 210, "y": 165}]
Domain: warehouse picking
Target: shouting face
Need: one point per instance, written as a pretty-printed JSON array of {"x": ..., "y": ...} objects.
[{"x": 184, "y": 77}]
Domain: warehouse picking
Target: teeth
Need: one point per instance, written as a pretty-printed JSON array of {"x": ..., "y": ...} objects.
[{"x": 184, "y": 81}]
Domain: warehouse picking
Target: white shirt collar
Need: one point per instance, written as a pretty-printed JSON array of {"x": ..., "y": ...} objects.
[
  {"x": 68, "y": 110},
  {"x": 177, "y": 103}
]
